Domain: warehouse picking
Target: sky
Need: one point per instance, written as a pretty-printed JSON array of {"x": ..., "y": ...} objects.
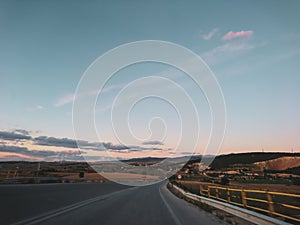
[{"x": 252, "y": 47}]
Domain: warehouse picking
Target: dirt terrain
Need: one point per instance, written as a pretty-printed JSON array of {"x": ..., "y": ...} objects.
[
  {"x": 295, "y": 189},
  {"x": 281, "y": 163}
]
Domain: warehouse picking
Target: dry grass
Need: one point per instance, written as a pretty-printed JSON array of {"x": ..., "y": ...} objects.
[
  {"x": 129, "y": 176},
  {"x": 281, "y": 163},
  {"x": 294, "y": 189}
]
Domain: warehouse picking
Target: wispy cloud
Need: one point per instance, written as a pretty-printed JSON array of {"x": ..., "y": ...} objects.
[
  {"x": 57, "y": 142},
  {"x": 69, "y": 98},
  {"x": 14, "y": 136},
  {"x": 22, "y": 131},
  {"x": 64, "y": 100},
  {"x": 35, "y": 108},
  {"x": 96, "y": 146},
  {"x": 37, "y": 153},
  {"x": 289, "y": 54},
  {"x": 225, "y": 51},
  {"x": 152, "y": 143},
  {"x": 8, "y": 137},
  {"x": 240, "y": 34},
  {"x": 71, "y": 143},
  {"x": 210, "y": 34}
]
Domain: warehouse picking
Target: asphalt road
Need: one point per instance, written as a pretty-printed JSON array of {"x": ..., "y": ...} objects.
[{"x": 103, "y": 204}]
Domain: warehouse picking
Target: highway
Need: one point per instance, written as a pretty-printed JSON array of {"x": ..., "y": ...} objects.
[{"x": 97, "y": 203}]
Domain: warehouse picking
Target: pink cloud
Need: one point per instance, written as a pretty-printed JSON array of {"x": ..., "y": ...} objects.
[
  {"x": 240, "y": 34},
  {"x": 210, "y": 34}
]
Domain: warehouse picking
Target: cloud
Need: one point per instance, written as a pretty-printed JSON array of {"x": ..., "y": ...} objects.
[
  {"x": 65, "y": 100},
  {"x": 95, "y": 146},
  {"x": 15, "y": 158},
  {"x": 152, "y": 143},
  {"x": 110, "y": 146},
  {"x": 15, "y": 149},
  {"x": 144, "y": 149},
  {"x": 52, "y": 141},
  {"x": 225, "y": 51},
  {"x": 139, "y": 148},
  {"x": 21, "y": 131},
  {"x": 14, "y": 136},
  {"x": 10, "y": 139},
  {"x": 71, "y": 143},
  {"x": 210, "y": 34},
  {"x": 26, "y": 151},
  {"x": 240, "y": 34},
  {"x": 69, "y": 98},
  {"x": 35, "y": 108},
  {"x": 239, "y": 43},
  {"x": 44, "y": 154},
  {"x": 289, "y": 54}
]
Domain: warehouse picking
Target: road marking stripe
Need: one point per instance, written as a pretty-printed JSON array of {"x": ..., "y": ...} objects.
[
  {"x": 57, "y": 212},
  {"x": 175, "y": 218}
]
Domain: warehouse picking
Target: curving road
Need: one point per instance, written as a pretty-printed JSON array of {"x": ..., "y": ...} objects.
[{"x": 105, "y": 204}]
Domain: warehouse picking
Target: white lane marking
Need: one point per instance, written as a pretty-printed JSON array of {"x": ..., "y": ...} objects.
[
  {"x": 57, "y": 212},
  {"x": 175, "y": 218}
]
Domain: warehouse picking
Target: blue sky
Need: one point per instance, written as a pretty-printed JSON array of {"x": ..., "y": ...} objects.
[{"x": 253, "y": 48}]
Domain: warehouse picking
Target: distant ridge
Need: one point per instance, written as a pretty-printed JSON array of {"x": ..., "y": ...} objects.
[
  {"x": 158, "y": 159},
  {"x": 144, "y": 159},
  {"x": 220, "y": 161},
  {"x": 224, "y": 161}
]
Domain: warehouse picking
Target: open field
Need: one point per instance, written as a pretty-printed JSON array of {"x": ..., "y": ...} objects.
[
  {"x": 130, "y": 176},
  {"x": 295, "y": 189},
  {"x": 47, "y": 172},
  {"x": 117, "y": 176}
]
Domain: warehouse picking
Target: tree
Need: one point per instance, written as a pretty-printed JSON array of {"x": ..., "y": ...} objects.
[
  {"x": 81, "y": 174},
  {"x": 224, "y": 180}
]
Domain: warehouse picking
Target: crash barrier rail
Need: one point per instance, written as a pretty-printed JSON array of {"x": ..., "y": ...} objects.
[
  {"x": 243, "y": 213},
  {"x": 275, "y": 204}
]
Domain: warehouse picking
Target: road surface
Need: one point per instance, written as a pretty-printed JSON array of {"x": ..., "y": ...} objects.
[{"x": 96, "y": 203}]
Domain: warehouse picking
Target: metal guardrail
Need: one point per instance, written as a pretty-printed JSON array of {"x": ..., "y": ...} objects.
[
  {"x": 266, "y": 198},
  {"x": 243, "y": 213}
]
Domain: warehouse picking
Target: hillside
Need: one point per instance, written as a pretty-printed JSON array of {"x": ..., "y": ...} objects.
[
  {"x": 225, "y": 161},
  {"x": 281, "y": 163}
]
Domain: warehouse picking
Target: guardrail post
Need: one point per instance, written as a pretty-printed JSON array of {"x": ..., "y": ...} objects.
[
  {"x": 208, "y": 192},
  {"x": 228, "y": 195},
  {"x": 201, "y": 189},
  {"x": 244, "y": 200},
  {"x": 270, "y": 203},
  {"x": 217, "y": 193}
]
